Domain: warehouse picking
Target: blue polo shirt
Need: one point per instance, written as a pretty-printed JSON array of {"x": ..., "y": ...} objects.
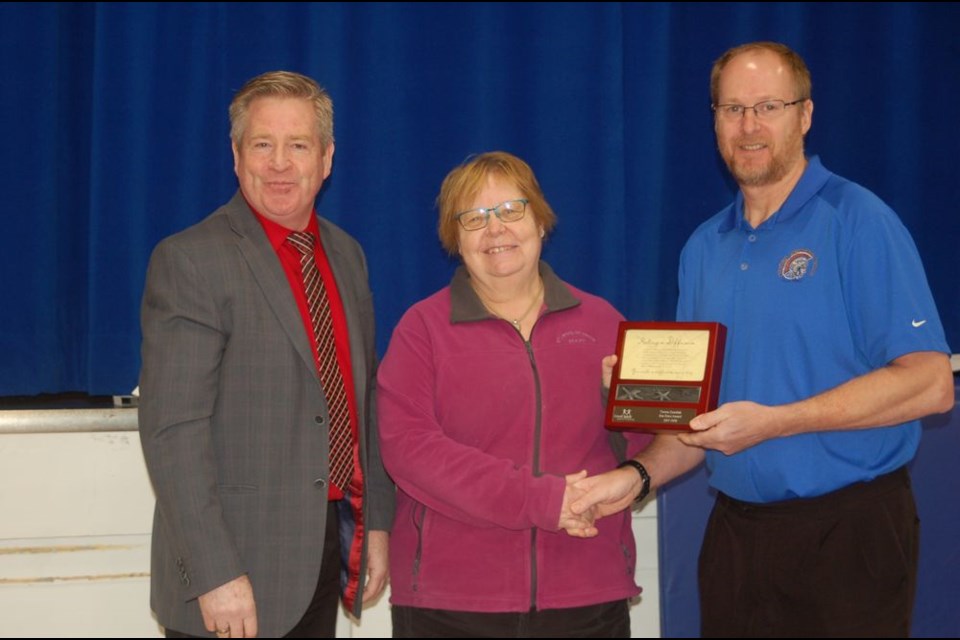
[{"x": 827, "y": 289}]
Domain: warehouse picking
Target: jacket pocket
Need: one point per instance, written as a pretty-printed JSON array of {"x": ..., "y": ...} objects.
[{"x": 237, "y": 488}]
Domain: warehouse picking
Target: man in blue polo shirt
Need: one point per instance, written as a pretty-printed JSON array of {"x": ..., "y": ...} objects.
[{"x": 834, "y": 351}]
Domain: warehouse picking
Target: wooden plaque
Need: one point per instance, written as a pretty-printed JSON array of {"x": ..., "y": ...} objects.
[{"x": 666, "y": 373}]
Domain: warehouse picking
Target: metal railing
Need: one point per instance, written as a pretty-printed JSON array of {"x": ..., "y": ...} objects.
[{"x": 67, "y": 420}]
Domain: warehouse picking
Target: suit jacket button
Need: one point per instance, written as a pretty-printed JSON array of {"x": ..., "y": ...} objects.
[
  {"x": 320, "y": 483},
  {"x": 318, "y": 419}
]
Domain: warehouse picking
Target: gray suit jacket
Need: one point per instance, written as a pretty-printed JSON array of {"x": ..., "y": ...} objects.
[{"x": 233, "y": 420}]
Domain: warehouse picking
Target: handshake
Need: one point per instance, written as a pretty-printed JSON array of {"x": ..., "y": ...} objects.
[{"x": 589, "y": 498}]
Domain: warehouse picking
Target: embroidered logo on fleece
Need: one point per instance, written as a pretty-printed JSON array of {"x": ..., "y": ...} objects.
[
  {"x": 799, "y": 264},
  {"x": 575, "y": 337}
]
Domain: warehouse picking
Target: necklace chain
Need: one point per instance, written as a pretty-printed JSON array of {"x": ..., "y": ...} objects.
[{"x": 516, "y": 323}]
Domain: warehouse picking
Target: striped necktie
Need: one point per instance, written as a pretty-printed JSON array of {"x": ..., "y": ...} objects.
[{"x": 331, "y": 377}]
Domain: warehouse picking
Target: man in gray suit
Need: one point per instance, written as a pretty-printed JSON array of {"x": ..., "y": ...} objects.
[{"x": 254, "y": 531}]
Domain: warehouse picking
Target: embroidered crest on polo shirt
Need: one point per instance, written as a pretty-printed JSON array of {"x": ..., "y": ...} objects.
[{"x": 799, "y": 264}]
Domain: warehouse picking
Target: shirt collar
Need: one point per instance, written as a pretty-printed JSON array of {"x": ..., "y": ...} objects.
[
  {"x": 277, "y": 233},
  {"x": 465, "y": 305},
  {"x": 814, "y": 177}
]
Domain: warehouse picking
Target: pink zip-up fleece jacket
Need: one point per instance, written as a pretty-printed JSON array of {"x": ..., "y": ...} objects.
[{"x": 478, "y": 429}]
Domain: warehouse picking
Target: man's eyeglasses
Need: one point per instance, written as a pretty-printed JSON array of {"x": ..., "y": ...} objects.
[
  {"x": 509, "y": 211},
  {"x": 766, "y": 110}
]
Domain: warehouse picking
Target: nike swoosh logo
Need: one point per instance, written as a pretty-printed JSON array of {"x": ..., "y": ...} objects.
[{"x": 918, "y": 323}]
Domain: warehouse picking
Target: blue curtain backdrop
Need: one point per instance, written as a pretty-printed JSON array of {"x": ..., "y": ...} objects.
[
  {"x": 116, "y": 135},
  {"x": 115, "y": 122}
]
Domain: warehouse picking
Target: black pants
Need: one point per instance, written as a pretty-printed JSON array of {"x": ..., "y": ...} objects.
[
  {"x": 320, "y": 618},
  {"x": 607, "y": 620},
  {"x": 839, "y": 565}
]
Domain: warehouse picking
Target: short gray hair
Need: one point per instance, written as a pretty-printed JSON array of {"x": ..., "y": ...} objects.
[{"x": 282, "y": 84}]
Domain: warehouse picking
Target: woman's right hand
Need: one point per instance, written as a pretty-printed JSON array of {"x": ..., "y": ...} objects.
[{"x": 578, "y": 525}]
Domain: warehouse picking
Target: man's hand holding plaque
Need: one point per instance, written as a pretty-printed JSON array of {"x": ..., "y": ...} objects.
[{"x": 666, "y": 374}]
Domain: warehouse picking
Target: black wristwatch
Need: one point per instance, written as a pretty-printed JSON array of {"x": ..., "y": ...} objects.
[{"x": 642, "y": 470}]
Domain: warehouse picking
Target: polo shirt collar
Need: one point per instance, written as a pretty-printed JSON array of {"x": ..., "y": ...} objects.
[{"x": 810, "y": 183}]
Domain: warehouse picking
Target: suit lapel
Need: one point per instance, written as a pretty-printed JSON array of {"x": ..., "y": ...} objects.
[
  {"x": 269, "y": 275},
  {"x": 345, "y": 272}
]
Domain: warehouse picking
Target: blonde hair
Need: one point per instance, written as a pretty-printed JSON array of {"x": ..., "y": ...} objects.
[
  {"x": 464, "y": 182},
  {"x": 282, "y": 84}
]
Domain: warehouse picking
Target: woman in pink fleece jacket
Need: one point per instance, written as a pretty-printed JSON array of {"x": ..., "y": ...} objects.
[{"x": 490, "y": 409}]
